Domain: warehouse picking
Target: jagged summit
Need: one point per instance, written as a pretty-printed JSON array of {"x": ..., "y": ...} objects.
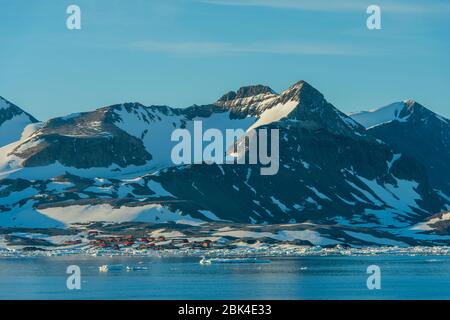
[
  {"x": 258, "y": 93},
  {"x": 254, "y": 90},
  {"x": 259, "y": 97},
  {"x": 409, "y": 102},
  {"x": 300, "y": 102},
  {"x": 420, "y": 113},
  {"x": 246, "y": 92},
  {"x": 301, "y": 90}
]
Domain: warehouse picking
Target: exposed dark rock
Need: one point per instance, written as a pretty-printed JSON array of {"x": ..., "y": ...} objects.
[{"x": 245, "y": 92}]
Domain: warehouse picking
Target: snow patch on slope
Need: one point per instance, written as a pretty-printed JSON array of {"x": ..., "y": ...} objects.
[
  {"x": 379, "y": 116},
  {"x": 427, "y": 226},
  {"x": 156, "y": 133},
  {"x": 106, "y": 213},
  {"x": 27, "y": 217},
  {"x": 372, "y": 239},
  {"x": 402, "y": 196},
  {"x": 274, "y": 114}
]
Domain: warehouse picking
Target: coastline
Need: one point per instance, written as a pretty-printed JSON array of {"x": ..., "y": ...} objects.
[{"x": 273, "y": 251}]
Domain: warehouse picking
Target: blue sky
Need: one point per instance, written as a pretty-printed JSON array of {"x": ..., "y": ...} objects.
[{"x": 181, "y": 52}]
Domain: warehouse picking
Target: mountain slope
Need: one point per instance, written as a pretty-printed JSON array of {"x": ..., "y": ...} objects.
[
  {"x": 410, "y": 128},
  {"x": 13, "y": 121},
  {"x": 330, "y": 171}
]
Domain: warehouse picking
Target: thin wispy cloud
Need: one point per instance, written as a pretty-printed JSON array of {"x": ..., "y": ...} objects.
[
  {"x": 209, "y": 48},
  {"x": 340, "y": 6}
]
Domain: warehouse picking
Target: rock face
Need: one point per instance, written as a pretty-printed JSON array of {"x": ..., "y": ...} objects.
[
  {"x": 13, "y": 121},
  {"x": 114, "y": 164},
  {"x": 246, "y": 92}
]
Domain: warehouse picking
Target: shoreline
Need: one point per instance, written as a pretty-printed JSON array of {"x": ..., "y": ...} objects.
[{"x": 274, "y": 252}]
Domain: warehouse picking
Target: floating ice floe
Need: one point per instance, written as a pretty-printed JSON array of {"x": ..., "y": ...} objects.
[
  {"x": 236, "y": 260},
  {"x": 136, "y": 268},
  {"x": 110, "y": 267}
]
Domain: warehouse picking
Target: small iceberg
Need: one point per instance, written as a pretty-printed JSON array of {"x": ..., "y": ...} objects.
[
  {"x": 110, "y": 267},
  {"x": 236, "y": 260},
  {"x": 136, "y": 268}
]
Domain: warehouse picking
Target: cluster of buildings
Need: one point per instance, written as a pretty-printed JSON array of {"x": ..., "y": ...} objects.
[{"x": 144, "y": 243}]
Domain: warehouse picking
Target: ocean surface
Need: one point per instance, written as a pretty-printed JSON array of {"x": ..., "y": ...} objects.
[{"x": 402, "y": 277}]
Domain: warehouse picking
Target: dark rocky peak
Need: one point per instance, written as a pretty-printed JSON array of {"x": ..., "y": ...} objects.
[
  {"x": 410, "y": 107},
  {"x": 300, "y": 102},
  {"x": 315, "y": 112},
  {"x": 249, "y": 91},
  {"x": 246, "y": 92},
  {"x": 231, "y": 95},
  {"x": 419, "y": 113},
  {"x": 303, "y": 92},
  {"x": 203, "y": 111},
  {"x": 409, "y": 102}
]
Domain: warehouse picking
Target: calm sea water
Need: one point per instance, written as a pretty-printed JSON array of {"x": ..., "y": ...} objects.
[{"x": 402, "y": 277}]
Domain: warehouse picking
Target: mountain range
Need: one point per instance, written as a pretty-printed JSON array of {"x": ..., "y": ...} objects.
[{"x": 384, "y": 170}]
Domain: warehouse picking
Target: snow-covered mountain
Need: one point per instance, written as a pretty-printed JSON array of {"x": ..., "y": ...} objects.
[
  {"x": 13, "y": 121},
  {"x": 410, "y": 128},
  {"x": 300, "y": 103},
  {"x": 330, "y": 170},
  {"x": 110, "y": 141},
  {"x": 113, "y": 164},
  {"x": 131, "y": 137}
]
